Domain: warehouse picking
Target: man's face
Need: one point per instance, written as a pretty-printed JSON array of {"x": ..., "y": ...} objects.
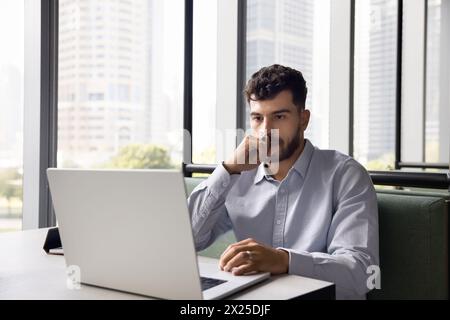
[{"x": 280, "y": 113}]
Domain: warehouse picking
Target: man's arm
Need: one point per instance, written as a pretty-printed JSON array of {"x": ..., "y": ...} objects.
[
  {"x": 206, "y": 204},
  {"x": 352, "y": 238},
  {"x": 209, "y": 215}
]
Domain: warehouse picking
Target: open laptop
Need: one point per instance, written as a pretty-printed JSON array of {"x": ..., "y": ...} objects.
[{"x": 130, "y": 230}]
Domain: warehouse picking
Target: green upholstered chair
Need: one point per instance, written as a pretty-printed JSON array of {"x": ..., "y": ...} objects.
[{"x": 413, "y": 230}]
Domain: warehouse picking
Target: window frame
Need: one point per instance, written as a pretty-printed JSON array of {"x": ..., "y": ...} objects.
[
  {"x": 413, "y": 95},
  {"x": 343, "y": 93},
  {"x": 40, "y": 118}
]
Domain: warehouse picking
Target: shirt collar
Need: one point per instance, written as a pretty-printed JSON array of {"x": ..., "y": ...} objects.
[
  {"x": 300, "y": 165},
  {"x": 261, "y": 173}
]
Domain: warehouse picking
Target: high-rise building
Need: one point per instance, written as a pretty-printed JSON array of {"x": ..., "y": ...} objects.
[
  {"x": 283, "y": 32},
  {"x": 375, "y": 79},
  {"x": 286, "y": 32},
  {"x": 105, "y": 84},
  {"x": 280, "y": 32},
  {"x": 11, "y": 111}
]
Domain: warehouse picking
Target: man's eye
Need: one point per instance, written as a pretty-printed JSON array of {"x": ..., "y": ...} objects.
[
  {"x": 280, "y": 117},
  {"x": 256, "y": 118}
]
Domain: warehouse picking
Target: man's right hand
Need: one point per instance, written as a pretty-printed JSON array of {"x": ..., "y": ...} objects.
[{"x": 247, "y": 155}]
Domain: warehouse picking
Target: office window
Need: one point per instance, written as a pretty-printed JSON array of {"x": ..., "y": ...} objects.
[
  {"x": 375, "y": 83},
  {"x": 11, "y": 114},
  {"x": 204, "y": 116},
  {"x": 294, "y": 33},
  {"x": 437, "y": 101},
  {"x": 120, "y": 84}
]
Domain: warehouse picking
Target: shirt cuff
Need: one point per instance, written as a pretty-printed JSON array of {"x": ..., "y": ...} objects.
[
  {"x": 301, "y": 263},
  {"x": 220, "y": 181}
]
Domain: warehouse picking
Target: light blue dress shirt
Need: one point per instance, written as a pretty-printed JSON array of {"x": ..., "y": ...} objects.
[{"x": 324, "y": 213}]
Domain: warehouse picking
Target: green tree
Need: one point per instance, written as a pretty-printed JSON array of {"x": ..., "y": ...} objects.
[
  {"x": 10, "y": 185},
  {"x": 141, "y": 156},
  {"x": 385, "y": 162},
  {"x": 207, "y": 156}
]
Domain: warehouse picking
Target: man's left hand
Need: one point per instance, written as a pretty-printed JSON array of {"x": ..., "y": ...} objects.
[{"x": 249, "y": 256}]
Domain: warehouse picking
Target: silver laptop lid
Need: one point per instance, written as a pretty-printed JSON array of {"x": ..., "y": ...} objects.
[{"x": 127, "y": 232}]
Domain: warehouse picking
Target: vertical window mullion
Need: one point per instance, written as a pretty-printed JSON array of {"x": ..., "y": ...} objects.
[
  {"x": 413, "y": 80},
  {"x": 187, "y": 114},
  {"x": 340, "y": 70},
  {"x": 398, "y": 89},
  {"x": 241, "y": 64},
  {"x": 40, "y": 111}
]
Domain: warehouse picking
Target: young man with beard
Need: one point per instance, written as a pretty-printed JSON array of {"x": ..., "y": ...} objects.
[{"x": 312, "y": 213}]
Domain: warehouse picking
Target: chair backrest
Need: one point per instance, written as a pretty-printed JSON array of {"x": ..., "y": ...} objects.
[{"x": 413, "y": 230}]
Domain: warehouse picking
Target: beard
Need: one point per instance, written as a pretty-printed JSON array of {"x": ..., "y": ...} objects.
[{"x": 287, "y": 151}]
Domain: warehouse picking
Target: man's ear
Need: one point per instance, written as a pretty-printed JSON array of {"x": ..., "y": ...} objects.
[{"x": 304, "y": 119}]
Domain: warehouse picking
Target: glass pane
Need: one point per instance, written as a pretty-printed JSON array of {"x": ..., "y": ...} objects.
[
  {"x": 11, "y": 114},
  {"x": 375, "y": 83},
  {"x": 120, "y": 83},
  {"x": 436, "y": 121},
  {"x": 294, "y": 33},
  {"x": 204, "y": 82}
]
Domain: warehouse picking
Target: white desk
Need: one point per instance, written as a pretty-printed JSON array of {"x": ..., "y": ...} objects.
[{"x": 27, "y": 272}]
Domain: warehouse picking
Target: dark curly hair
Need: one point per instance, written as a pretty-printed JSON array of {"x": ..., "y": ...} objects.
[{"x": 270, "y": 81}]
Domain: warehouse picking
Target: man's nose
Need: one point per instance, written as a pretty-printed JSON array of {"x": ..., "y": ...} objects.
[{"x": 267, "y": 125}]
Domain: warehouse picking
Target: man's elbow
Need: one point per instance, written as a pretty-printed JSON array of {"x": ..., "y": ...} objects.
[
  {"x": 366, "y": 277},
  {"x": 202, "y": 242},
  {"x": 361, "y": 275}
]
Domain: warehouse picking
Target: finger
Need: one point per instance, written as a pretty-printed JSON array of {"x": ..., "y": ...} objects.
[
  {"x": 252, "y": 133},
  {"x": 238, "y": 260},
  {"x": 245, "y": 241},
  {"x": 252, "y": 151},
  {"x": 263, "y": 149},
  {"x": 263, "y": 146},
  {"x": 244, "y": 269},
  {"x": 274, "y": 142},
  {"x": 246, "y": 148},
  {"x": 239, "y": 243},
  {"x": 269, "y": 145},
  {"x": 230, "y": 253}
]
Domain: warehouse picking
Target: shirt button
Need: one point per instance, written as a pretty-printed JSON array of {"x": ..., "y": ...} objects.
[
  {"x": 224, "y": 184},
  {"x": 278, "y": 221},
  {"x": 281, "y": 190}
]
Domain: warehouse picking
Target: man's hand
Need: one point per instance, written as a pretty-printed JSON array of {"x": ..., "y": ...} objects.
[
  {"x": 249, "y": 256},
  {"x": 247, "y": 155}
]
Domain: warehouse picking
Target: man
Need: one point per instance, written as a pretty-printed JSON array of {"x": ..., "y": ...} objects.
[{"x": 314, "y": 213}]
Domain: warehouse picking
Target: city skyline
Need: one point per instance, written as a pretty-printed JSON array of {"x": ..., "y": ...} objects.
[
  {"x": 375, "y": 80},
  {"x": 11, "y": 85},
  {"x": 369, "y": 140},
  {"x": 121, "y": 82},
  {"x": 111, "y": 85},
  {"x": 294, "y": 33}
]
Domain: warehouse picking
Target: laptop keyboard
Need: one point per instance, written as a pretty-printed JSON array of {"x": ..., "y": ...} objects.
[{"x": 208, "y": 283}]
